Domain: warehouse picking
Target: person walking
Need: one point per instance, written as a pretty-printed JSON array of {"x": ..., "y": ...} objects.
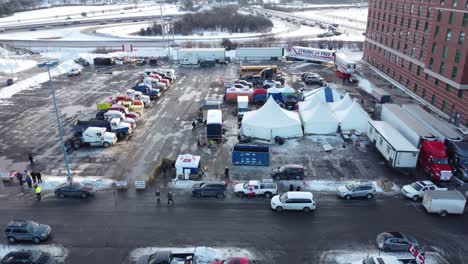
[
  {"x": 298, "y": 188},
  {"x": 194, "y": 125},
  {"x": 291, "y": 187},
  {"x": 158, "y": 197},
  {"x": 19, "y": 176},
  {"x": 39, "y": 177},
  {"x": 31, "y": 159},
  {"x": 37, "y": 191},
  {"x": 29, "y": 181},
  {"x": 169, "y": 198},
  {"x": 33, "y": 176}
]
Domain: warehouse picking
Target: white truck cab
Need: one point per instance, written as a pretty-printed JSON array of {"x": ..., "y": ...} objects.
[
  {"x": 417, "y": 189},
  {"x": 155, "y": 84},
  {"x": 119, "y": 126},
  {"x": 111, "y": 114},
  {"x": 255, "y": 188},
  {"x": 139, "y": 96},
  {"x": 98, "y": 136}
]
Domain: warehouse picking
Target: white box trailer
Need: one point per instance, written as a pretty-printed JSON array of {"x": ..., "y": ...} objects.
[
  {"x": 444, "y": 202},
  {"x": 394, "y": 147},
  {"x": 259, "y": 54},
  {"x": 413, "y": 130},
  {"x": 194, "y": 56},
  {"x": 441, "y": 129},
  {"x": 310, "y": 54}
]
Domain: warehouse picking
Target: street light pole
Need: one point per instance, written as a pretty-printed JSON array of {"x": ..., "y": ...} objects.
[{"x": 50, "y": 64}]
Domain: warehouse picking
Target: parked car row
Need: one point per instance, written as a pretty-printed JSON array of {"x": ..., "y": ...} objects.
[{"x": 118, "y": 117}]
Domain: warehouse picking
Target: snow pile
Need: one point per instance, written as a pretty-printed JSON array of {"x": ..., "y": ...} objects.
[
  {"x": 203, "y": 255},
  {"x": 14, "y": 65},
  {"x": 356, "y": 257},
  {"x": 326, "y": 185},
  {"x": 38, "y": 79},
  {"x": 182, "y": 184},
  {"x": 50, "y": 183},
  {"x": 365, "y": 85},
  {"x": 57, "y": 251}
]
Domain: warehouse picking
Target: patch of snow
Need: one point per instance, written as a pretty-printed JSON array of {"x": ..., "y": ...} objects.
[
  {"x": 57, "y": 251},
  {"x": 203, "y": 255},
  {"x": 15, "y": 65},
  {"x": 38, "y": 79},
  {"x": 365, "y": 85},
  {"x": 182, "y": 184},
  {"x": 325, "y": 185},
  {"x": 356, "y": 257},
  {"x": 50, "y": 183}
]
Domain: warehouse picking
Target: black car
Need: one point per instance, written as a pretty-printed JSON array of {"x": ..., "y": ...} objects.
[
  {"x": 28, "y": 257},
  {"x": 75, "y": 189},
  {"x": 288, "y": 172},
  {"x": 209, "y": 189}
]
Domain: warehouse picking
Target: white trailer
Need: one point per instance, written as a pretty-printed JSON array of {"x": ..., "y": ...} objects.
[
  {"x": 394, "y": 147},
  {"x": 347, "y": 62},
  {"x": 413, "y": 130},
  {"x": 310, "y": 54},
  {"x": 444, "y": 202},
  {"x": 441, "y": 129},
  {"x": 194, "y": 56},
  {"x": 259, "y": 54}
]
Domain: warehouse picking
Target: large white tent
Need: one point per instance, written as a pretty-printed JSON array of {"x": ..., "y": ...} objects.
[
  {"x": 324, "y": 94},
  {"x": 342, "y": 104},
  {"x": 353, "y": 118},
  {"x": 319, "y": 120},
  {"x": 270, "y": 121}
]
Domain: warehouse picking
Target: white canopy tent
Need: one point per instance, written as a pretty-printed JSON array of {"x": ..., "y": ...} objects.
[
  {"x": 187, "y": 164},
  {"x": 270, "y": 121},
  {"x": 325, "y": 94},
  {"x": 353, "y": 118},
  {"x": 342, "y": 104},
  {"x": 319, "y": 120}
]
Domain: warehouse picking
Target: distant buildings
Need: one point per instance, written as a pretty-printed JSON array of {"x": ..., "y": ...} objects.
[{"x": 422, "y": 47}]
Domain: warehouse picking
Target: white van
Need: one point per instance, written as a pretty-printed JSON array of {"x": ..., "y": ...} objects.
[{"x": 293, "y": 201}]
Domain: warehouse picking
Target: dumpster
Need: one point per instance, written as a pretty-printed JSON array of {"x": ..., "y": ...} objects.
[{"x": 252, "y": 155}]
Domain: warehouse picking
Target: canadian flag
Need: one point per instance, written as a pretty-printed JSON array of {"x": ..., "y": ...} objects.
[{"x": 417, "y": 256}]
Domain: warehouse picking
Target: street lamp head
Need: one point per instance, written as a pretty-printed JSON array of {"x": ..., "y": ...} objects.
[{"x": 48, "y": 64}]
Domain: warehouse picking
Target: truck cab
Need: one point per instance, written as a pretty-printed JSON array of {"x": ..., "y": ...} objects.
[
  {"x": 434, "y": 161},
  {"x": 122, "y": 129},
  {"x": 458, "y": 157},
  {"x": 147, "y": 90},
  {"x": 155, "y": 83},
  {"x": 98, "y": 136},
  {"x": 111, "y": 114},
  {"x": 255, "y": 188}
]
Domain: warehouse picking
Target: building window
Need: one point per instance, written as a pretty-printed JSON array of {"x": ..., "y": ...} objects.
[
  {"x": 407, "y": 83},
  {"x": 454, "y": 3},
  {"x": 448, "y": 88},
  {"x": 436, "y": 82},
  {"x": 451, "y": 17},
  {"x": 423, "y": 41},
  {"x": 460, "y": 94},
  {"x": 445, "y": 52},
  {"x": 423, "y": 93},
  {"x": 465, "y": 18},
  {"x": 408, "y": 34},
  {"x": 436, "y": 32},
  {"x": 409, "y": 23},
  {"x": 412, "y": 9},
  {"x": 412, "y": 52},
  {"x": 400, "y": 79},
  {"x": 457, "y": 56},
  {"x": 454, "y": 72},
  {"x": 414, "y": 39},
  {"x": 433, "y": 99},
  {"x": 418, "y": 70},
  {"x": 410, "y": 66},
  {"x": 442, "y": 68},
  {"x": 420, "y": 54},
  {"x": 439, "y": 15},
  {"x": 444, "y": 106},
  {"x": 426, "y": 76},
  {"x": 417, "y": 25},
  {"x": 461, "y": 39},
  {"x": 442, "y": 2},
  {"x": 401, "y": 22},
  {"x": 420, "y": 10},
  {"x": 434, "y": 48},
  {"x": 449, "y": 35},
  {"x": 426, "y": 27},
  {"x": 428, "y": 13},
  {"x": 415, "y": 89}
]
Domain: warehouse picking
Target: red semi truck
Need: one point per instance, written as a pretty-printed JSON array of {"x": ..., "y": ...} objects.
[{"x": 433, "y": 160}]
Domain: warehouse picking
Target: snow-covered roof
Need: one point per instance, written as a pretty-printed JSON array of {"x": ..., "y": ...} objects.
[
  {"x": 353, "y": 118},
  {"x": 187, "y": 161},
  {"x": 392, "y": 136}
]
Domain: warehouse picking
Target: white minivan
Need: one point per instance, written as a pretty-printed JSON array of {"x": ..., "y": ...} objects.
[{"x": 293, "y": 201}]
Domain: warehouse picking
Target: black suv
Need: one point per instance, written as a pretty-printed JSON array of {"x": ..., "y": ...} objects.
[
  {"x": 21, "y": 230},
  {"x": 28, "y": 257},
  {"x": 209, "y": 189},
  {"x": 288, "y": 172}
]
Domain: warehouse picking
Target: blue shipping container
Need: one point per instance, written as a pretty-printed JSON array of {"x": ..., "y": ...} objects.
[{"x": 251, "y": 155}]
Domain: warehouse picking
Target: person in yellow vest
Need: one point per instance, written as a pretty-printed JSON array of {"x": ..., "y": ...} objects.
[{"x": 37, "y": 191}]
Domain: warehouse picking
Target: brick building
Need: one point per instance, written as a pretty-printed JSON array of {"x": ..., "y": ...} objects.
[{"x": 421, "y": 46}]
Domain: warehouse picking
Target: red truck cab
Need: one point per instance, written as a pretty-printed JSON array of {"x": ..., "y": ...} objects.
[{"x": 434, "y": 161}]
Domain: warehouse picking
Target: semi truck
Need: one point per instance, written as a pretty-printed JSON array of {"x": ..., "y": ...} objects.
[
  {"x": 395, "y": 148},
  {"x": 310, "y": 54},
  {"x": 147, "y": 90},
  {"x": 458, "y": 158},
  {"x": 92, "y": 136},
  {"x": 121, "y": 129}
]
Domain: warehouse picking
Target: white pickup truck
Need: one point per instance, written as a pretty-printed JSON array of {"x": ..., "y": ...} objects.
[
  {"x": 416, "y": 190},
  {"x": 256, "y": 188}
]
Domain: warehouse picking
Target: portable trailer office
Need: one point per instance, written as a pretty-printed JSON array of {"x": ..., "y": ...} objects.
[
  {"x": 394, "y": 147},
  {"x": 194, "y": 56},
  {"x": 259, "y": 54}
]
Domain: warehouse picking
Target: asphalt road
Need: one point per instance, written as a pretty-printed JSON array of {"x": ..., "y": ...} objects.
[{"x": 106, "y": 228}]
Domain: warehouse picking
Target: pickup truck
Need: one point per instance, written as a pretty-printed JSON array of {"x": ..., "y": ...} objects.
[
  {"x": 416, "y": 190},
  {"x": 256, "y": 188},
  {"x": 92, "y": 136},
  {"x": 166, "y": 257},
  {"x": 122, "y": 129}
]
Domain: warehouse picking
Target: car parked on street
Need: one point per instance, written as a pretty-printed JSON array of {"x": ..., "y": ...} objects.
[
  {"x": 395, "y": 241},
  {"x": 288, "y": 172},
  {"x": 75, "y": 189},
  {"x": 244, "y": 82},
  {"x": 349, "y": 191},
  {"x": 256, "y": 188},
  {"x": 28, "y": 257},
  {"x": 235, "y": 260},
  {"x": 209, "y": 189},
  {"x": 301, "y": 201},
  {"x": 74, "y": 72},
  {"x": 24, "y": 230}
]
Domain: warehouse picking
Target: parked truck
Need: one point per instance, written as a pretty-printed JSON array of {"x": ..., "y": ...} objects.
[
  {"x": 256, "y": 188},
  {"x": 458, "y": 158},
  {"x": 444, "y": 202},
  {"x": 155, "y": 83},
  {"x": 433, "y": 161},
  {"x": 147, "y": 90},
  {"x": 214, "y": 125},
  {"x": 121, "y": 129},
  {"x": 417, "y": 189},
  {"x": 396, "y": 149},
  {"x": 92, "y": 136}
]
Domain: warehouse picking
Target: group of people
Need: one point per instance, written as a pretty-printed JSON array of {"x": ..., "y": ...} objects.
[{"x": 29, "y": 178}]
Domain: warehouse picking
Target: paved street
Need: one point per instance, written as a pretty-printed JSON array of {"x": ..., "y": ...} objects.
[{"x": 106, "y": 228}]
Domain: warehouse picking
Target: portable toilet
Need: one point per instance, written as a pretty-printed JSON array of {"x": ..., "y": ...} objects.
[{"x": 187, "y": 164}]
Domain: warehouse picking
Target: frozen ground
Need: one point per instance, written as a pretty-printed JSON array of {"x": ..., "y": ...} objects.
[
  {"x": 57, "y": 251},
  {"x": 203, "y": 255},
  {"x": 50, "y": 183},
  {"x": 15, "y": 65}
]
